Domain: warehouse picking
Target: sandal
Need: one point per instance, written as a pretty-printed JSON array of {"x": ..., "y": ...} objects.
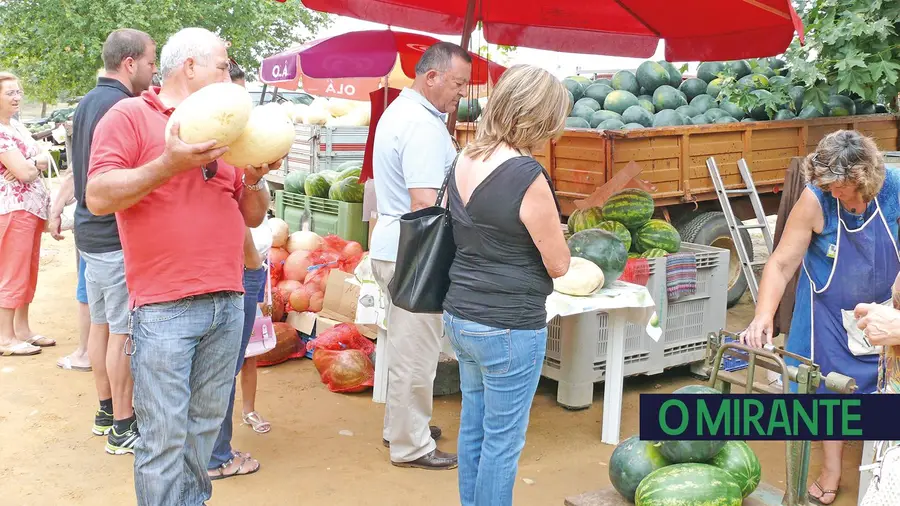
[
  {"x": 259, "y": 425},
  {"x": 219, "y": 473},
  {"x": 66, "y": 364},
  {"x": 20, "y": 349},
  {"x": 818, "y": 500},
  {"x": 39, "y": 340}
]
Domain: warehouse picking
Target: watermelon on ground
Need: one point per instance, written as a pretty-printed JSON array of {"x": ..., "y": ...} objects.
[
  {"x": 604, "y": 249},
  {"x": 601, "y": 116},
  {"x": 576, "y": 122},
  {"x": 618, "y": 229},
  {"x": 293, "y": 182},
  {"x": 710, "y": 70},
  {"x": 317, "y": 186},
  {"x": 738, "y": 460},
  {"x": 588, "y": 102},
  {"x": 468, "y": 110},
  {"x": 611, "y": 124},
  {"x": 631, "y": 207},
  {"x": 651, "y": 75},
  {"x": 631, "y": 462},
  {"x": 626, "y": 81},
  {"x": 574, "y": 87},
  {"x": 637, "y": 114},
  {"x": 598, "y": 92},
  {"x": 693, "y": 88},
  {"x": 667, "y": 97},
  {"x": 584, "y": 219},
  {"x": 703, "y": 103},
  {"x": 619, "y": 100},
  {"x": 688, "y": 485},
  {"x": 674, "y": 73},
  {"x": 667, "y": 117},
  {"x": 656, "y": 234}
]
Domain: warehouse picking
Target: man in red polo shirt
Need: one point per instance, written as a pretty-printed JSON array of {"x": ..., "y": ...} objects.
[{"x": 181, "y": 217}]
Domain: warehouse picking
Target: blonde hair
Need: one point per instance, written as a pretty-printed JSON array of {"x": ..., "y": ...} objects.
[
  {"x": 847, "y": 157},
  {"x": 528, "y": 108},
  {"x": 7, "y": 76}
]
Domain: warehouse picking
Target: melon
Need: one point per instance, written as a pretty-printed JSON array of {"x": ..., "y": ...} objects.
[
  {"x": 267, "y": 138},
  {"x": 280, "y": 232},
  {"x": 631, "y": 462},
  {"x": 655, "y": 234},
  {"x": 604, "y": 249},
  {"x": 583, "y": 278},
  {"x": 688, "y": 485},
  {"x": 583, "y": 219},
  {"x": 618, "y": 229},
  {"x": 631, "y": 207},
  {"x": 217, "y": 112},
  {"x": 303, "y": 240},
  {"x": 297, "y": 265},
  {"x": 741, "y": 463},
  {"x": 299, "y": 299}
]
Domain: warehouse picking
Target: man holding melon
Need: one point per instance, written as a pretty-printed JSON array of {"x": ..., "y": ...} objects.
[
  {"x": 411, "y": 156},
  {"x": 160, "y": 164}
]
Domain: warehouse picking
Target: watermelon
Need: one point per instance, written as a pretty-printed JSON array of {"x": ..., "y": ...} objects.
[
  {"x": 293, "y": 182},
  {"x": 601, "y": 116},
  {"x": 583, "y": 219},
  {"x": 729, "y": 119},
  {"x": 631, "y": 462},
  {"x": 618, "y": 230},
  {"x": 784, "y": 114},
  {"x": 581, "y": 79},
  {"x": 329, "y": 175},
  {"x": 667, "y": 117},
  {"x": 633, "y": 126},
  {"x": 685, "y": 119},
  {"x": 655, "y": 234},
  {"x": 347, "y": 190},
  {"x": 588, "y": 102},
  {"x": 468, "y": 110},
  {"x": 688, "y": 111},
  {"x": 352, "y": 164},
  {"x": 674, "y": 73},
  {"x": 714, "y": 113},
  {"x": 703, "y": 103},
  {"x": 710, "y": 70},
  {"x": 654, "y": 253},
  {"x": 740, "y": 68},
  {"x": 603, "y": 80},
  {"x": 810, "y": 112},
  {"x": 697, "y": 389},
  {"x": 776, "y": 63},
  {"x": 753, "y": 82},
  {"x": 797, "y": 93},
  {"x": 880, "y": 109},
  {"x": 652, "y": 75},
  {"x": 699, "y": 119},
  {"x": 745, "y": 120},
  {"x": 688, "y": 485},
  {"x": 317, "y": 186},
  {"x": 667, "y": 97},
  {"x": 693, "y": 88},
  {"x": 624, "y": 80},
  {"x": 633, "y": 254},
  {"x": 604, "y": 249},
  {"x": 647, "y": 103},
  {"x": 760, "y": 113},
  {"x": 637, "y": 114},
  {"x": 598, "y": 92},
  {"x": 738, "y": 460},
  {"x": 864, "y": 107},
  {"x": 574, "y": 87},
  {"x": 619, "y": 100},
  {"x": 733, "y": 110},
  {"x": 353, "y": 172},
  {"x": 574, "y": 122},
  {"x": 839, "y": 105},
  {"x": 631, "y": 207},
  {"x": 611, "y": 124},
  {"x": 571, "y": 100},
  {"x": 679, "y": 452},
  {"x": 776, "y": 81},
  {"x": 582, "y": 111}
]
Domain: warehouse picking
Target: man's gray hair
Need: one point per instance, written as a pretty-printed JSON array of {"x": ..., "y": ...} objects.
[
  {"x": 121, "y": 44},
  {"x": 439, "y": 56},
  {"x": 194, "y": 43}
]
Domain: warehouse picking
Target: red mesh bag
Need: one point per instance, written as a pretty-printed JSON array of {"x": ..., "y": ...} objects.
[
  {"x": 287, "y": 346},
  {"x": 341, "y": 355},
  {"x": 637, "y": 271},
  {"x": 338, "y": 253}
]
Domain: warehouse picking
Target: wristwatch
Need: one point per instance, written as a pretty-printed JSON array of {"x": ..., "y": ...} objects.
[{"x": 260, "y": 185}]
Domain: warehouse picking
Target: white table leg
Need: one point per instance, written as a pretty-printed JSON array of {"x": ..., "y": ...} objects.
[
  {"x": 614, "y": 377},
  {"x": 379, "y": 390}
]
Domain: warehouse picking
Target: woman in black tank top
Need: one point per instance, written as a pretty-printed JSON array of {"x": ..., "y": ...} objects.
[{"x": 510, "y": 246}]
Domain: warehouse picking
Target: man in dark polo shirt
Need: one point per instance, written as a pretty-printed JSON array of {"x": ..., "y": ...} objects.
[{"x": 129, "y": 59}]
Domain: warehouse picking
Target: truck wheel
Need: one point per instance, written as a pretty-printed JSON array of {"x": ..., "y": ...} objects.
[{"x": 711, "y": 229}]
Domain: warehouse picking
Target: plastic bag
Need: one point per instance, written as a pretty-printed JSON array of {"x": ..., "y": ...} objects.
[
  {"x": 341, "y": 355},
  {"x": 338, "y": 253},
  {"x": 287, "y": 346}
]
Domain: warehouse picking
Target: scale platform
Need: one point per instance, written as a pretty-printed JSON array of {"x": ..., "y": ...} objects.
[{"x": 764, "y": 495}]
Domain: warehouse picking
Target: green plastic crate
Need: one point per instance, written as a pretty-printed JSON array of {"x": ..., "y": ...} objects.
[{"x": 326, "y": 216}]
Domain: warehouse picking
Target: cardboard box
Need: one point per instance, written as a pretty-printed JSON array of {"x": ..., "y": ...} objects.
[
  {"x": 339, "y": 306},
  {"x": 323, "y": 324}
]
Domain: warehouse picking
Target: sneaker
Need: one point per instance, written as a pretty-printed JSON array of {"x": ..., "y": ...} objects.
[
  {"x": 103, "y": 423},
  {"x": 120, "y": 444}
]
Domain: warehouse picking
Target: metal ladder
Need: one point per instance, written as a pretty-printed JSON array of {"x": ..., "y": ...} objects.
[{"x": 735, "y": 225}]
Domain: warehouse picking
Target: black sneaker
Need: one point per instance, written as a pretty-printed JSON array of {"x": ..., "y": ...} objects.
[
  {"x": 103, "y": 423},
  {"x": 120, "y": 444}
]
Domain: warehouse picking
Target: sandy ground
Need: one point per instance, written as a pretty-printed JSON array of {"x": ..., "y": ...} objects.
[{"x": 49, "y": 457}]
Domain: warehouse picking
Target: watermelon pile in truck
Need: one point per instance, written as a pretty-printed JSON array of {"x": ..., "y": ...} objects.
[{"x": 670, "y": 124}]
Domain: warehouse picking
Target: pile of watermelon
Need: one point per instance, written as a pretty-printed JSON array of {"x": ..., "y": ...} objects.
[
  {"x": 341, "y": 184},
  {"x": 627, "y": 217},
  {"x": 656, "y": 94},
  {"x": 684, "y": 473}
]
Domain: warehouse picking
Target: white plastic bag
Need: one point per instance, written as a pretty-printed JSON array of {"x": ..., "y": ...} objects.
[{"x": 856, "y": 338}]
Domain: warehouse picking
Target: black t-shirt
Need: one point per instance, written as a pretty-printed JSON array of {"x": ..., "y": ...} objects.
[
  {"x": 93, "y": 234},
  {"x": 497, "y": 278}
]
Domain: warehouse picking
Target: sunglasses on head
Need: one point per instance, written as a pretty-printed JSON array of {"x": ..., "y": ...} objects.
[{"x": 837, "y": 171}]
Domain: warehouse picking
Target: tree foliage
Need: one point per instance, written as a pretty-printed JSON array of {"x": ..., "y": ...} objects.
[
  {"x": 55, "y": 45},
  {"x": 852, "y": 47}
]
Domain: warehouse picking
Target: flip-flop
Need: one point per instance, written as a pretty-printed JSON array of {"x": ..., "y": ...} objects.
[
  {"x": 66, "y": 363},
  {"x": 20, "y": 349},
  {"x": 818, "y": 500},
  {"x": 33, "y": 340}
]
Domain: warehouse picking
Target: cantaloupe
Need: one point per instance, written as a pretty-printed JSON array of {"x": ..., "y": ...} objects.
[
  {"x": 582, "y": 279},
  {"x": 216, "y": 112},
  {"x": 267, "y": 138},
  {"x": 303, "y": 240}
]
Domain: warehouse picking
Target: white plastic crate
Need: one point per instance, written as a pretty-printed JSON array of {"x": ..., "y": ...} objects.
[{"x": 318, "y": 148}]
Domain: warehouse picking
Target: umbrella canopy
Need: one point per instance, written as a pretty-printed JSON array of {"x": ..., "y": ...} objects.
[
  {"x": 364, "y": 54},
  {"x": 692, "y": 29}
]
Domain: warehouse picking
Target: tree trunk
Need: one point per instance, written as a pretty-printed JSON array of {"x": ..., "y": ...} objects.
[{"x": 43, "y": 109}]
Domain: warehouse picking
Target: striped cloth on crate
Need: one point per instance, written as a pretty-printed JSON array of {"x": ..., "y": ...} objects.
[
  {"x": 681, "y": 275},
  {"x": 637, "y": 271}
]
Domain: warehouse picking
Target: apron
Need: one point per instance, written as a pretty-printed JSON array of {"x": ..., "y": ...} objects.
[{"x": 862, "y": 273}]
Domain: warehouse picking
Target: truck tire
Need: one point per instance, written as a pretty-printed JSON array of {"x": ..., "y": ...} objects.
[{"x": 711, "y": 229}]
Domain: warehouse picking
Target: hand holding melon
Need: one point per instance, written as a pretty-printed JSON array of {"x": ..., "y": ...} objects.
[{"x": 180, "y": 156}]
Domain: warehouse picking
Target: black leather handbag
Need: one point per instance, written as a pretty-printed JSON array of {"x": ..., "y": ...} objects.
[{"x": 424, "y": 256}]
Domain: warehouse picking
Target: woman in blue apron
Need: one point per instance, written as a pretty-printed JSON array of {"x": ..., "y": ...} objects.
[{"x": 842, "y": 235}]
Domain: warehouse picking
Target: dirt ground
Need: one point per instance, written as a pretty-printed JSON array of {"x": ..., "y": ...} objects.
[{"x": 324, "y": 448}]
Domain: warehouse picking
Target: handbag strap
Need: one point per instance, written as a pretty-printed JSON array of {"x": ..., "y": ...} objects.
[{"x": 440, "y": 195}]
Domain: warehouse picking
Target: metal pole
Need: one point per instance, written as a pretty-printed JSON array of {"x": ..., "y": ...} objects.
[{"x": 464, "y": 42}]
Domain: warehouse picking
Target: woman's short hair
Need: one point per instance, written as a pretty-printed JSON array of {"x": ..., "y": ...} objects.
[
  {"x": 7, "y": 76},
  {"x": 847, "y": 157},
  {"x": 527, "y": 108}
]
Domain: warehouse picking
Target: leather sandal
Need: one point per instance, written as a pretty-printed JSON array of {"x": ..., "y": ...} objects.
[
  {"x": 818, "y": 500},
  {"x": 221, "y": 473}
]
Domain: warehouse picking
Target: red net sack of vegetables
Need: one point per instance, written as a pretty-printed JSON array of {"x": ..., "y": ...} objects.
[
  {"x": 338, "y": 253},
  {"x": 287, "y": 346},
  {"x": 341, "y": 355}
]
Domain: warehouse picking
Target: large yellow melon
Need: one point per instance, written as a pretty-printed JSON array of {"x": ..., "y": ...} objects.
[
  {"x": 216, "y": 112},
  {"x": 267, "y": 137}
]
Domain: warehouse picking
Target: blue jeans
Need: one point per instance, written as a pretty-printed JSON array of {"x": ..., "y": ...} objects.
[
  {"x": 499, "y": 370},
  {"x": 253, "y": 280},
  {"x": 183, "y": 368}
]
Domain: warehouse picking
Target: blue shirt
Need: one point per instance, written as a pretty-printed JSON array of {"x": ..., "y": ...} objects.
[{"x": 412, "y": 149}]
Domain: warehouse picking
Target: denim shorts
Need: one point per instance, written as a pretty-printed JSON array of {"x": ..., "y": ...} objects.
[
  {"x": 107, "y": 292},
  {"x": 81, "y": 289}
]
